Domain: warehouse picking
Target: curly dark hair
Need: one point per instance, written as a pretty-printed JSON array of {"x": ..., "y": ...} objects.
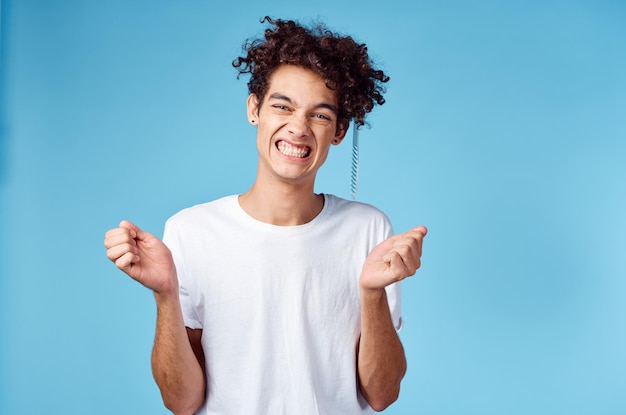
[{"x": 343, "y": 64}]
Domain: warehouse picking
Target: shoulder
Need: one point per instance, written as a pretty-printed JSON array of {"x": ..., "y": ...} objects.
[
  {"x": 192, "y": 215},
  {"x": 360, "y": 213},
  {"x": 361, "y": 223},
  {"x": 339, "y": 206}
]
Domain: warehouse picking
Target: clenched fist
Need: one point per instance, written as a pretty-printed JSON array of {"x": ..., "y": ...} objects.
[
  {"x": 142, "y": 256},
  {"x": 393, "y": 260}
]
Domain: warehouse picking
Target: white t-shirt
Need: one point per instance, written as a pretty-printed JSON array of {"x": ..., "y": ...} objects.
[{"x": 279, "y": 305}]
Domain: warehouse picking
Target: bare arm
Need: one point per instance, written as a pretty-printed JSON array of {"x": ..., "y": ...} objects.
[
  {"x": 381, "y": 363},
  {"x": 381, "y": 360},
  {"x": 177, "y": 369},
  {"x": 177, "y": 361}
]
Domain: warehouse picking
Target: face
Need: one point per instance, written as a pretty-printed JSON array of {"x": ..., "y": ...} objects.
[{"x": 297, "y": 123}]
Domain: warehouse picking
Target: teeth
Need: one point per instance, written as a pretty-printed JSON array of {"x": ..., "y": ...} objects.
[{"x": 292, "y": 151}]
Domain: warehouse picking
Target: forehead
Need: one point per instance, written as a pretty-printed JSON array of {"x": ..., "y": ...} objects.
[{"x": 300, "y": 84}]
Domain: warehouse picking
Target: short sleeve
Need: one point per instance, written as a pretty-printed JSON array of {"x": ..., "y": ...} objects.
[
  {"x": 172, "y": 241},
  {"x": 393, "y": 291},
  {"x": 394, "y": 299}
]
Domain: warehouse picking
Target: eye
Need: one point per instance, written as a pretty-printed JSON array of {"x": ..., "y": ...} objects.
[
  {"x": 281, "y": 107},
  {"x": 321, "y": 117}
]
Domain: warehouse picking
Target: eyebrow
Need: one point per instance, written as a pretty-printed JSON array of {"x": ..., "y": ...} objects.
[{"x": 326, "y": 105}]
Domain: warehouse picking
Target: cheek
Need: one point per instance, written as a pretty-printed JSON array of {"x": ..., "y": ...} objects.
[
  {"x": 322, "y": 151},
  {"x": 264, "y": 136}
]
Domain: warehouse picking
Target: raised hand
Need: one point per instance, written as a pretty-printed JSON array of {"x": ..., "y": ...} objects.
[
  {"x": 393, "y": 260},
  {"x": 142, "y": 256}
]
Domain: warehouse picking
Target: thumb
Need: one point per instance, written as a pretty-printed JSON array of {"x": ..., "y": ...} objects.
[{"x": 380, "y": 250}]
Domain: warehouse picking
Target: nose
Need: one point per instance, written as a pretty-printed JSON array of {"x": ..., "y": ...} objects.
[{"x": 298, "y": 126}]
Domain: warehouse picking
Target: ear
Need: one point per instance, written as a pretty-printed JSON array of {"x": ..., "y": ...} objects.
[
  {"x": 342, "y": 129},
  {"x": 252, "y": 104}
]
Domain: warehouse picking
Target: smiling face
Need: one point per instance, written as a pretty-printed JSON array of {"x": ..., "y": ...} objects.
[{"x": 297, "y": 123}]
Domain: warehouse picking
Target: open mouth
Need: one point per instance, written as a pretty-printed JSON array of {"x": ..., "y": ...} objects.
[{"x": 291, "y": 150}]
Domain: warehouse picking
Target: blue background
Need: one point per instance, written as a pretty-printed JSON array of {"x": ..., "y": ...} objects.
[{"x": 504, "y": 133}]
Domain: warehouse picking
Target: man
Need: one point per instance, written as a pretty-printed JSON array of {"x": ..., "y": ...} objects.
[{"x": 280, "y": 300}]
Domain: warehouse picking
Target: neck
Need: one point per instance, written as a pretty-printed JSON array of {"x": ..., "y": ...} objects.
[{"x": 284, "y": 205}]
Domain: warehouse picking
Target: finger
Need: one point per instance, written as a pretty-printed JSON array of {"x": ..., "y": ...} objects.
[
  {"x": 416, "y": 246},
  {"x": 117, "y": 251},
  {"x": 420, "y": 229},
  {"x": 418, "y": 232},
  {"x": 125, "y": 261},
  {"x": 412, "y": 239},
  {"x": 398, "y": 269},
  {"x": 115, "y": 231},
  {"x": 415, "y": 237},
  {"x": 135, "y": 231},
  {"x": 118, "y": 236},
  {"x": 412, "y": 262},
  {"x": 408, "y": 250}
]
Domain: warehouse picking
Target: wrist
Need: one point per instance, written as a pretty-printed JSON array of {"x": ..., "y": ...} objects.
[
  {"x": 167, "y": 295},
  {"x": 372, "y": 294}
]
